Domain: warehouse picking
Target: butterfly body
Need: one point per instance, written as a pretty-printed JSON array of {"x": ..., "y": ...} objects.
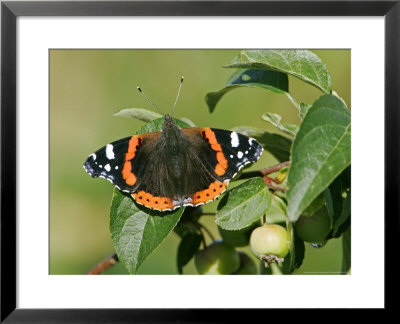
[{"x": 176, "y": 166}]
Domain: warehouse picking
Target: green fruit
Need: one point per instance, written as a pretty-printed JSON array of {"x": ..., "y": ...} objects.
[
  {"x": 269, "y": 239},
  {"x": 217, "y": 258},
  {"x": 315, "y": 228},
  {"x": 237, "y": 238},
  {"x": 247, "y": 266},
  {"x": 315, "y": 205}
]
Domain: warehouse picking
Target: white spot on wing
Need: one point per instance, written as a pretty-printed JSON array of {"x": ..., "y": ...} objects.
[
  {"x": 93, "y": 156},
  {"x": 234, "y": 139},
  {"x": 110, "y": 152},
  {"x": 240, "y": 154},
  {"x": 116, "y": 167},
  {"x": 251, "y": 141},
  {"x": 231, "y": 156},
  {"x": 107, "y": 167}
]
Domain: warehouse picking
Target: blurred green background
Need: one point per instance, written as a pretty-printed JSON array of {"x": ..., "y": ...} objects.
[{"x": 88, "y": 86}]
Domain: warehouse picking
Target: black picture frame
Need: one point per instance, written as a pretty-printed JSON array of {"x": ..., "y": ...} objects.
[{"x": 10, "y": 10}]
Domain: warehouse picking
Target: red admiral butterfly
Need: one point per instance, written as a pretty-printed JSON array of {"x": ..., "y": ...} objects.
[{"x": 176, "y": 166}]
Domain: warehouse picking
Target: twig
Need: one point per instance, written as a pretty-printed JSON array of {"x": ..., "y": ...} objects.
[
  {"x": 199, "y": 227},
  {"x": 274, "y": 168},
  {"x": 203, "y": 240},
  {"x": 207, "y": 231},
  {"x": 270, "y": 182},
  {"x": 104, "y": 265},
  {"x": 272, "y": 185},
  {"x": 250, "y": 174},
  {"x": 263, "y": 172}
]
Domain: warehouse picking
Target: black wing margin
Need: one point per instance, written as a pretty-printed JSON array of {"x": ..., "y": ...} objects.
[{"x": 238, "y": 149}]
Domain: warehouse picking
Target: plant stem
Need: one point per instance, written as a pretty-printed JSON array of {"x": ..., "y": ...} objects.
[
  {"x": 263, "y": 172},
  {"x": 289, "y": 226},
  {"x": 264, "y": 219},
  {"x": 249, "y": 175},
  {"x": 276, "y": 270},
  {"x": 207, "y": 214},
  {"x": 274, "y": 168},
  {"x": 203, "y": 240},
  {"x": 104, "y": 265},
  {"x": 207, "y": 231},
  {"x": 200, "y": 228},
  {"x": 270, "y": 183}
]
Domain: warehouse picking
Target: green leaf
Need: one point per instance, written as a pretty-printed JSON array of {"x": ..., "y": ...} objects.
[
  {"x": 238, "y": 238},
  {"x": 282, "y": 174},
  {"x": 277, "y": 145},
  {"x": 187, "y": 223},
  {"x": 321, "y": 151},
  {"x": 346, "y": 248},
  {"x": 137, "y": 231},
  {"x": 188, "y": 247},
  {"x": 148, "y": 116},
  {"x": 334, "y": 93},
  {"x": 276, "y": 213},
  {"x": 343, "y": 222},
  {"x": 303, "y": 109},
  {"x": 299, "y": 250},
  {"x": 315, "y": 205},
  {"x": 346, "y": 178},
  {"x": 339, "y": 207},
  {"x": 157, "y": 125},
  {"x": 138, "y": 113},
  {"x": 271, "y": 80},
  {"x": 302, "y": 64},
  {"x": 275, "y": 119},
  {"x": 334, "y": 199},
  {"x": 294, "y": 261},
  {"x": 187, "y": 121},
  {"x": 183, "y": 228},
  {"x": 243, "y": 205}
]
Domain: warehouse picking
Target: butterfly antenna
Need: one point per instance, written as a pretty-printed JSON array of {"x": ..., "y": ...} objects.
[
  {"x": 177, "y": 96},
  {"x": 151, "y": 102}
]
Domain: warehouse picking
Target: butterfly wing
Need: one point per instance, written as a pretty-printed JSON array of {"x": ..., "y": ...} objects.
[
  {"x": 113, "y": 161},
  {"x": 238, "y": 149},
  {"x": 223, "y": 153},
  {"x": 161, "y": 173},
  {"x": 144, "y": 166}
]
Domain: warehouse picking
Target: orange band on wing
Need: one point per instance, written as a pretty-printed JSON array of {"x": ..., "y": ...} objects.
[
  {"x": 127, "y": 173},
  {"x": 222, "y": 164},
  {"x": 154, "y": 202},
  {"x": 213, "y": 191}
]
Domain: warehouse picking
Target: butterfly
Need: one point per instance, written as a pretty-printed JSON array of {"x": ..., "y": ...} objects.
[{"x": 176, "y": 166}]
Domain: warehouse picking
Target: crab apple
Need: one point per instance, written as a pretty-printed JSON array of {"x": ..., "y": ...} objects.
[
  {"x": 315, "y": 228},
  {"x": 269, "y": 239},
  {"x": 237, "y": 238},
  {"x": 247, "y": 265},
  {"x": 217, "y": 258}
]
